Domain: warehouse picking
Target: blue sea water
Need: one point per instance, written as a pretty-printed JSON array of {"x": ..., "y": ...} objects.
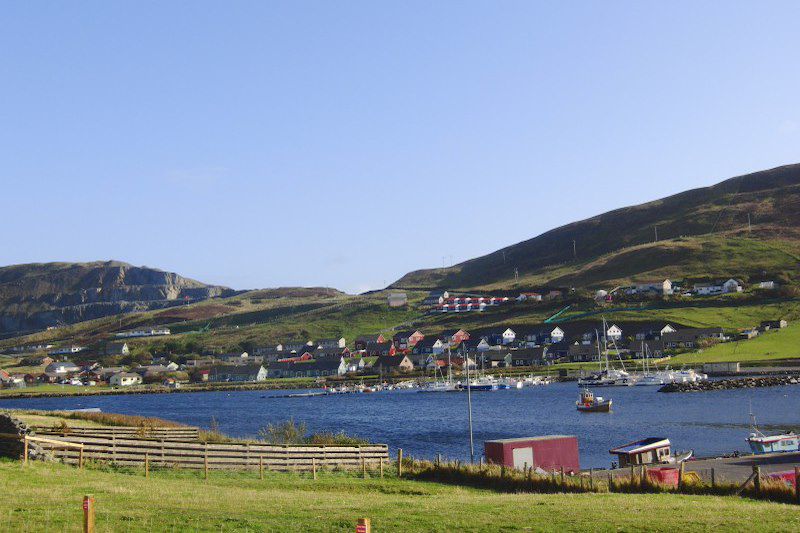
[{"x": 711, "y": 423}]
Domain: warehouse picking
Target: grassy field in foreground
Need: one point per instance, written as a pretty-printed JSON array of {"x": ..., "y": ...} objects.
[
  {"x": 47, "y": 497},
  {"x": 769, "y": 346}
]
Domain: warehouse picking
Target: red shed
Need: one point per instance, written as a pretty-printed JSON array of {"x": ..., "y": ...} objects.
[{"x": 549, "y": 452}]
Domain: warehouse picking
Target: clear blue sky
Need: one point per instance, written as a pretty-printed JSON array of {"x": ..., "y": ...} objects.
[{"x": 258, "y": 144}]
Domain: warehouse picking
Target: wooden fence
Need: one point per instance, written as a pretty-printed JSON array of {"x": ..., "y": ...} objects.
[
  {"x": 166, "y": 433},
  {"x": 233, "y": 456}
]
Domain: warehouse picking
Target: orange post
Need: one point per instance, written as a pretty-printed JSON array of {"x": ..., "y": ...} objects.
[
  {"x": 88, "y": 514},
  {"x": 364, "y": 526}
]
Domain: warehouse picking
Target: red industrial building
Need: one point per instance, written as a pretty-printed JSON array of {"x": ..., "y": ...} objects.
[{"x": 549, "y": 452}]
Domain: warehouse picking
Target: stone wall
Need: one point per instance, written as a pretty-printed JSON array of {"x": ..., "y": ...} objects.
[{"x": 15, "y": 448}]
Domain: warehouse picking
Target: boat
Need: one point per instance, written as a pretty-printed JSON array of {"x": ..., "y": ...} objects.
[
  {"x": 653, "y": 376},
  {"x": 589, "y": 403},
  {"x": 480, "y": 385},
  {"x": 443, "y": 385},
  {"x": 607, "y": 376},
  {"x": 761, "y": 443}
]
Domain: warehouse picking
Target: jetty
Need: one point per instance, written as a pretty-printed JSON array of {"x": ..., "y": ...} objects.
[{"x": 729, "y": 384}]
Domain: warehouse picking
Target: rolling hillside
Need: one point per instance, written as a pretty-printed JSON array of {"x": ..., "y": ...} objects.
[
  {"x": 39, "y": 295},
  {"x": 702, "y": 232}
]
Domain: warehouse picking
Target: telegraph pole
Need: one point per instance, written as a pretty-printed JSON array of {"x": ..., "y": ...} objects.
[{"x": 574, "y": 249}]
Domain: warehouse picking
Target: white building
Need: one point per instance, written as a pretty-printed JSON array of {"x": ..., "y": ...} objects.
[
  {"x": 557, "y": 335},
  {"x": 125, "y": 379},
  {"x": 509, "y": 336}
]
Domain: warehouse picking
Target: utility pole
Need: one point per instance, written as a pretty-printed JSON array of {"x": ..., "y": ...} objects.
[
  {"x": 465, "y": 358},
  {"x": 656, "y": 230},
  {"x": 574, "y": 249},
  {"x": 516, "y": 274}
]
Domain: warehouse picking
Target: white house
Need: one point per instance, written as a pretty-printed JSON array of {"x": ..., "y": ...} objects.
[
  {"x": 557, "y": 335},
  {"x": 439, "y": 346},
  {"x": 769, "y": 285},
  {"x": 731, "y": 286},
  {"x": 661, "y": 287},
  {"x": 614, "y": 333},
  {"x": 68, "y": 350},
  {"x": 509, "y": 336},
  {"x": 125, "y": 379}
]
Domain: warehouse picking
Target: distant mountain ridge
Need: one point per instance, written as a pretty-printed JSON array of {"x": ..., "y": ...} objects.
[
  {"x": 38, "y": 295},
  {"x": 771, "y": 198}
]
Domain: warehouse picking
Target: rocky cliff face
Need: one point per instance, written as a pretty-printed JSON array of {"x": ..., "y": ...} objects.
[{"x": 35, "y": 296}]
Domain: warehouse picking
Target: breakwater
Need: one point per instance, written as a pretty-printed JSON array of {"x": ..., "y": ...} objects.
[{"x": 729, "y": 384}]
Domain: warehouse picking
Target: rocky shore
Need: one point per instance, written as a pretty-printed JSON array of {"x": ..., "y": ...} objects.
[{"x": 729, "y": 384}]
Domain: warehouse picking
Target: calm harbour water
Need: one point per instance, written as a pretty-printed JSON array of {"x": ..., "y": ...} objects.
[{"x": 423, "y": 425}]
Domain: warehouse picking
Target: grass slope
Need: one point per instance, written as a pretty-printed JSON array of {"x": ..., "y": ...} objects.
[
  {"x": 47, "y": 497},
  {"x": 769, "y": 346},
  {"x": 688, "y": 225}
]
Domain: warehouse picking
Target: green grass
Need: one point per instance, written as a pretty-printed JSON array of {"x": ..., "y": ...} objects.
[
  {"x": 47, "y": 497},
  {"x": 770, "y": 346}
]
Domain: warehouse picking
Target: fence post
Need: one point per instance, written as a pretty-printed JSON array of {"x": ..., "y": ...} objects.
[
  {"x": 680, "y": 477},
  {"x": 88, "y": 514},
  {"x": 314, "y": 467},
  {"x": 713, "y": 478},
  {"x": 25, "y": 450},
  {"x": 381, "y": 468},
  {"x": 644, "y": 475},
  {"x": 364, "y": 526},
  {"x": 400, "y": 462},
  {"x": 562, "y": 478},
  {"x": 757, "y": 478},
  {"x": 364, "y": 467},
  {"x": 591, "y": 479},
  {"x": 261, "y": 467},
  {"x": 797, "y": 484},
  {"x": 205, "y": 463},
  {"x": 146, "y": 465},
  {"x": 610, "y": 481}
]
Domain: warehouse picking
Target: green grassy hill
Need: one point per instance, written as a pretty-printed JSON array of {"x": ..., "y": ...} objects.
[{"x": 702, "y": 232}]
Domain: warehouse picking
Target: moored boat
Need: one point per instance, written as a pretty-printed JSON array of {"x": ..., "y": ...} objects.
[
  {"x": 760, "y": 443},
  {"x": 589, "y": 403}
]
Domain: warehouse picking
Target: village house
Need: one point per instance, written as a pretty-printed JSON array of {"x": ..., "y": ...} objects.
[
  {"x": 714, "y": 288},
  {"x": 331, "y": 344},
  {"x": 363, "y": 340},
  {"x": 435, "y": 298},
  {"x": 242, "y": 358},
  {"x": 663, "y": 288},
  {"x": 580, "y": 353},
  {"x": 495, "y": 359},
  {"x": 689, "y": 338},
  {"x": 653, "y": 331},
  {"x": 60, "y": 369},
  {"x": 125, "y": 379},
  {"x": 390, "y": 364},
  {"x": 237, "y": 373},
  {"x": 115, "y": 348},
  {"x": 454, "y": 336},
  {"x": 375, "y": 349},
  {"x": 767, "y": 285},
  {"x": 397, "y": 299},
  {"x": 529, "y": 356},
  {"x": 316, "y": 368},
  {"x": 67, "y": 350},
  {"x": 747, "y": 334},
  {"x": 773, "y": 324},
  {"x": 529, "y": 297},
  {"x": 145, "y": 332},
  {"x": 429, "y": 345},
  {"x": 476, "y": 344},
  {"x": 648, "y": 348},
  {"x": 405, "y": 340},
  {"x": 354, "y": 364}
]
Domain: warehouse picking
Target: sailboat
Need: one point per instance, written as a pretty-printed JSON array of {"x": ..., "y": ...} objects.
[
  {"x": 445, "y": 385},
  {"x": 653, "y": 377},
  {"x": 761, "y": 443},
  {"x": 608, "y": 376}
]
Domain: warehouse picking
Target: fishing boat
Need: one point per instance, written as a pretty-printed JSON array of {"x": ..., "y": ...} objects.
[
  {"x": 761, "y": 443},
  {"x": 589, "y": 403}
]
